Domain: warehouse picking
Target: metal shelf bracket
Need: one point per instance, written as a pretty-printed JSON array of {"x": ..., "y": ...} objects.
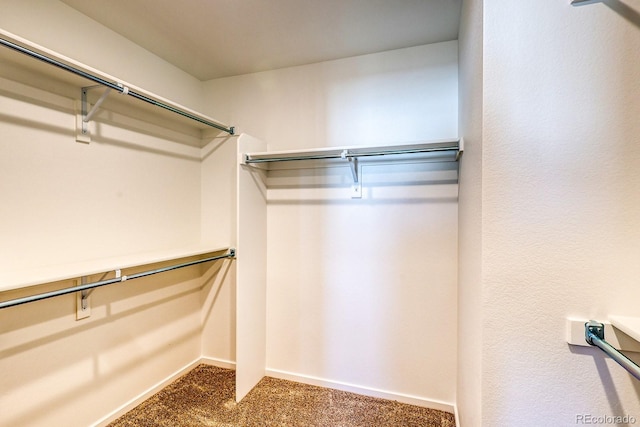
[
  {"x": 594, "y": 335},
  {"x": 356, "y": 188},
  {"x": 86, "y": 113}
]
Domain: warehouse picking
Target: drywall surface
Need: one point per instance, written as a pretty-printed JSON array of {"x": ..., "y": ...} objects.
[
  {"x": 470, "y": 316},
  {"x": 392, "y": 97},
  {"x": 60, "y": 371},
  {"x": 359, "y": 291},
  {"x": 560, "y": 206},
  {"x": 135, "y": 188},
  {"x": 128, "y": 191}
]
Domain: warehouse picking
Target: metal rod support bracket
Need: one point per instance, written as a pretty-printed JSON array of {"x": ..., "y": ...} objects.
[
  {"x": 86, "y": 112},
  {"x": 594, "y": 335},
  {"x": 591, "y": 329},
  {"x": 356, "y": 188},
  {"x": 95, "y": 107},
  {"x": 85, "y": 294}
]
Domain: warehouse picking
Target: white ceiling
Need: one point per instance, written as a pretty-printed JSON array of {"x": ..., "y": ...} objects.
[{"x": 219, "y": 38}]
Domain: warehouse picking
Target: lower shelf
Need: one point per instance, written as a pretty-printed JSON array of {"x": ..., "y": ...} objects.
[{"x": 16, "y": 279}]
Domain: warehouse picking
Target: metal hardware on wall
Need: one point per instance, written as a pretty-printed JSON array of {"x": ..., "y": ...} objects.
[
  {"x": 594, "y": 335},
  {"x": 356, "y": 188},
  {"x": 86, "y": 113},
  {"x": 83, "y": 306}
]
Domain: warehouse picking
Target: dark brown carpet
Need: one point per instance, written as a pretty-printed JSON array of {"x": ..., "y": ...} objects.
[{"x": 205, "y": 397}]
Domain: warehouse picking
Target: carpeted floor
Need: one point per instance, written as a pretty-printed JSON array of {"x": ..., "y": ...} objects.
[{"x": 205, "y": 397}]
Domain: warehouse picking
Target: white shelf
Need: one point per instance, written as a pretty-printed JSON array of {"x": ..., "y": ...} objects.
[
  {"x": 16, "y": 279},
  {"x": 35, "y": 71},
  {"x": 439, "y": 150},
  {"x": 356, "y": 156},
  {"x": 628, "y": 325}
]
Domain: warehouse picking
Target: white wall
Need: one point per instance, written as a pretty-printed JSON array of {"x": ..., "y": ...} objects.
[
  {"x": 470, "y": 314},
  {"x": 59, "y": 371},
  {"x": 397, "y": 96},
  {"x": 135, "y": 188},
  {"x": 64, "y": 202},
  {"x": 356, "y": 323},
  {"x": 560, "y": 207},
  {"x": 359, "y": 291}
]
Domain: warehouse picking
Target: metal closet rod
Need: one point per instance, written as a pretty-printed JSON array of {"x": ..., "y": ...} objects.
[
  {"x": 112, "y": 85},
  {"x": 347, "y": 155},
  {"x": 594, "y": 335},
  {"x": 84, "y": 287}
]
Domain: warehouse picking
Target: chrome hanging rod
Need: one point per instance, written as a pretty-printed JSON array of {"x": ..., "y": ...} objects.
[
  {"x": 112, "y": 85},
  {"x": 346, "y": 154},
  {"x": 84, "y": 287},
  {"x": 594, "y": 335}
]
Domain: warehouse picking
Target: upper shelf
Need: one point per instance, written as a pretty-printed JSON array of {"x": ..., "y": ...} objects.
[
  {"x": 32, "y": 59},
  {"x": 440, "y": 150},
  {"x": 433, "y": 151}
]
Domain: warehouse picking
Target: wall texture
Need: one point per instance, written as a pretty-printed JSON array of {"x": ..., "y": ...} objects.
[{"x": 560, "y": 207}]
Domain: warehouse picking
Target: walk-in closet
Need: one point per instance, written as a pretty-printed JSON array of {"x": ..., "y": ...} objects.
[{"x": 353, "y": 213}]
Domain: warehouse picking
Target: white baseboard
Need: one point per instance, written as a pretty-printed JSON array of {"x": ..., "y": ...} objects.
[
  {"x": 220, "y": 363},
  {"x": 275, "y": 373},
  {"x": 366, "y": 391},
  {"x": 457, "y": 417},
  {"x": 123, "y": 409}
]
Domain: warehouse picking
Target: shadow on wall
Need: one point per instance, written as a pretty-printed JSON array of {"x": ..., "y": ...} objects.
[
  {"x": 627, "y": 12},
  {"x": 407, "y": 183},
  {"x": 55, "y": 114},
  {"x": 604, "y": 366},
  {"x": 133, "y": 327}
]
